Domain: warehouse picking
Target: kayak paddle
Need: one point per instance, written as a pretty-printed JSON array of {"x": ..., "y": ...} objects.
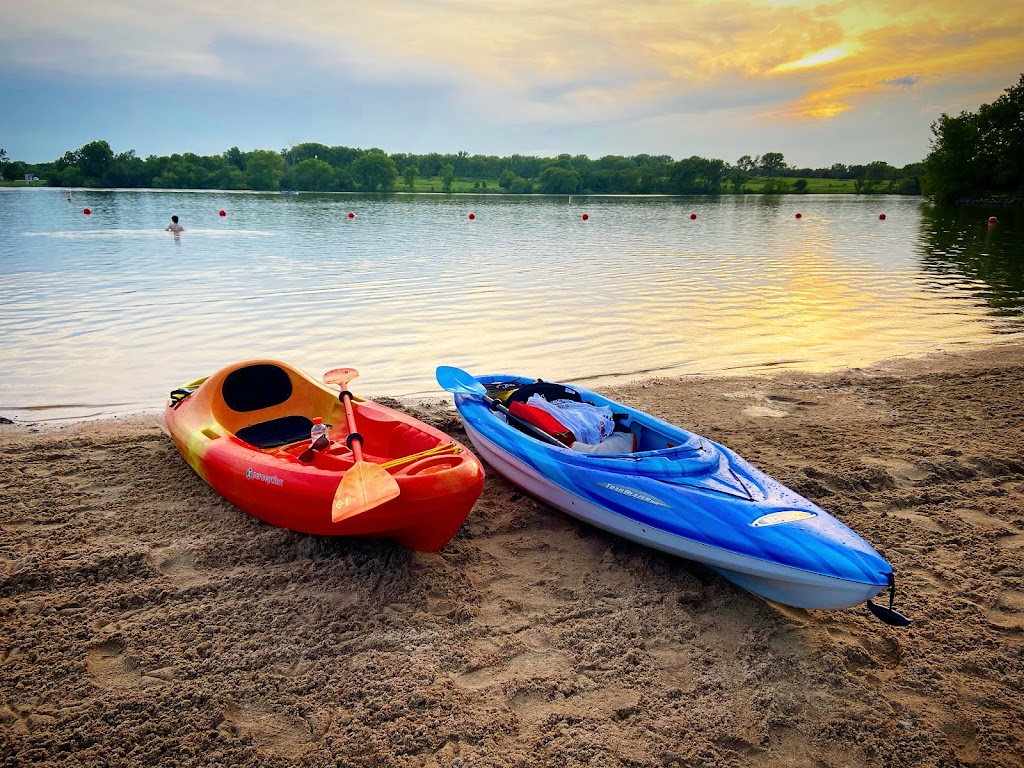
[
  {"x": 366, "y": 485},
  {"x": 459, "y": 382},
  {"x": 889, "y": 615}
]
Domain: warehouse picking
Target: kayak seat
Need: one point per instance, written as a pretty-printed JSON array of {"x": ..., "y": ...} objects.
[
  {"x": 550, "y": 391},
  {"x": 276, "y": 432},
  {"x": 256, "y": 387}
]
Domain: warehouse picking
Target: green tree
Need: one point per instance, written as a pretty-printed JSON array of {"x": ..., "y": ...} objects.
[
  {"x": 654, "y": 171},
  {"x": 311, "y": 175},
  {"x": 978, "y": 153},
  {"x": 557, "y": 179},
  {"x": 375, "y": 172},
  {"x": 951, "y": 169},
  {"x": 838, "y": 171},
  {"x": 410, "y": 175},
  {"x": 748, "y": 165},
  {"x": 772, "y": 164},
  {"x": 229, "y": 177},
  {"x": 1001, "y": 137},
  {"x": 13, "y": 170},
  {"x": 264, "y": 169},
  {"x": 696, "y": 176},
  {"x": 126, "y": 170},
  {"x": 430, "y": 165},
  {"x": 95, "y": 158},
  {"x": 800, "y": 186},
  {"x": 447, "y": 177},
  {"x": 236, "y": 158}
]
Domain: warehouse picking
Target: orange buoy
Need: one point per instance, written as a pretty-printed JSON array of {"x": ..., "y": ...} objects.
[
  {"x": 693, "y": 216},
  {"x": 881, "y": 216},
  {"x": 222, "y": 212},
  {"x": 586, "y": 216},
  {"x": 87, "y": 211},
  {"x": 472, "y": 216},
  {"x": 351, "y": 215},
  {"x": 799, "y": 215},
  {"x": 991, "y": 219}
]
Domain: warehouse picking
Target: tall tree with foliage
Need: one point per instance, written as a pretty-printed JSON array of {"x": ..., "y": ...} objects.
[
  {"x": 1001, "y": 132},
  {"x": 311, "y": 175},
  {"x": 409, "y": 174},
  {"x": 375, "y": 172},
  {"x": 264, "y": 169},
  {"x": 696, "y": 176},
  {"x": 447, "y": 177},
  {"x": 772, "y": 164},
  {"x": 978, "y": 153}
]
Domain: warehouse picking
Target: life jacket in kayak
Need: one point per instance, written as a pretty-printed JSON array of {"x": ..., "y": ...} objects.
[{"x": 543, "y": 421}]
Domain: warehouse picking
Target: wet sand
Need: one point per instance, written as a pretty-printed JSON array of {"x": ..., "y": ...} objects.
[{"x": 145, "y": 621}]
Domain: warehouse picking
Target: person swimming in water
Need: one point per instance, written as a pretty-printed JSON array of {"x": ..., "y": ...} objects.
[{"x": 175, "y": 226}]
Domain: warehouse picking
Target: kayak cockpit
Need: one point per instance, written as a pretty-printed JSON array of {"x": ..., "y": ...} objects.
[
  {"x": 292, "y": 450},
  {"x": 270, "y": 406}
]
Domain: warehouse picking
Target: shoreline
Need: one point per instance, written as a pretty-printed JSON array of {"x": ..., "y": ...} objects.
[
  {"x": 603, "y": 381},
  {"x": 146, "y": 619}
]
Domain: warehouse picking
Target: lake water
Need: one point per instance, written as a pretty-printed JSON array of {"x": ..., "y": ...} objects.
[{"x": 105, "y": 314}]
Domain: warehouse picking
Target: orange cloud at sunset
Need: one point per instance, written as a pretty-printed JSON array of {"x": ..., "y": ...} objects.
[{"x": 686, "y": 71}]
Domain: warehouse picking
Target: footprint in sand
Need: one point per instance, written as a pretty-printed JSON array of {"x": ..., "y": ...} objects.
[
  {"x": 176, "y": 562},
  {"x": 529, "y": 665},
  {"x": 285, "y": 734},
  {"x": 109, "y": 665},
  {"x": 1008, "y": 612}
]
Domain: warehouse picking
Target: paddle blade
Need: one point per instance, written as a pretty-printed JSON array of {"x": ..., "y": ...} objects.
[
  {"x": 340, "y": 376},
  {"x": 363, "y": 487},
  {"x": 888, "y": 615},
  {"x": 458, "y": 381}
]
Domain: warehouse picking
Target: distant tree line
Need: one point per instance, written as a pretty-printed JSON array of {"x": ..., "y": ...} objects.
[
  {"x": 973, "y": 154},
  {"x": 320, "y": 168},
  {"x": 978, "y": 154}
]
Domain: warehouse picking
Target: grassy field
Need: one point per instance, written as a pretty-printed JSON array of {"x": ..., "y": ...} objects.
[
  {"x": 814, "y": 186},
  {"x": 755, "y": 185},
  {"x": 458, "y": 185}
]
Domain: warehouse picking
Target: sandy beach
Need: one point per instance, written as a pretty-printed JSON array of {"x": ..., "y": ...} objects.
[{"x": 146, "y": 622}]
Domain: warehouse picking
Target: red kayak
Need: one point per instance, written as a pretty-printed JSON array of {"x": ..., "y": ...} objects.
[{"x": 247, "y": 430}]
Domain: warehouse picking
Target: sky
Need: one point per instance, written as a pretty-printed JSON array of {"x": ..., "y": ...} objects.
[{"x": 823, "y": 82}]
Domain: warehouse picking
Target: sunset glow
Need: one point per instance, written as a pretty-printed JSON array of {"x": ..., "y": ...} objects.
[
  {"x": 675, "y": 78},
  {"x": 815, "y": 60}
]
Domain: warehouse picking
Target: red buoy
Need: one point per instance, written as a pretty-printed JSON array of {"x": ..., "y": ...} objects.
[
  {"x": 222, "y": 212},
  {"x": 799, "y": 215},
  {"x": 472, "y": 216},
  {"x": 991, "y": 219},
  {"x": 586, "y": 216},
  {"x": 351, "y": 215},
  {"x": 881, "y": 216},
  {"x": 693, "y": 216},
  {"x": 87, "y": 211}
]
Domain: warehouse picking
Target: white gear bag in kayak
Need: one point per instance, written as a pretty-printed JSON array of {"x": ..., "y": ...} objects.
[{"x": 589, "y": 423}]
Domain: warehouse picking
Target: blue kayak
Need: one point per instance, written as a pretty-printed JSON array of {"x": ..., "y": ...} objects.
[{"x": 681, "y": 493}]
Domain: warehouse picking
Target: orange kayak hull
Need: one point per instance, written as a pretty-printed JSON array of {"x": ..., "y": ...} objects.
[{"x": 245, "y": 431}]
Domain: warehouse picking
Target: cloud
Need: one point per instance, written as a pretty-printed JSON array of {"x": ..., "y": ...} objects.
[
  {"x": 906, "y": 81},
  {"x": 540, "y": 64}
]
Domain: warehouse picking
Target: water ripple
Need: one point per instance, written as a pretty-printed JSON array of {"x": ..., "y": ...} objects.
[{"x": 106, "y": 313}]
